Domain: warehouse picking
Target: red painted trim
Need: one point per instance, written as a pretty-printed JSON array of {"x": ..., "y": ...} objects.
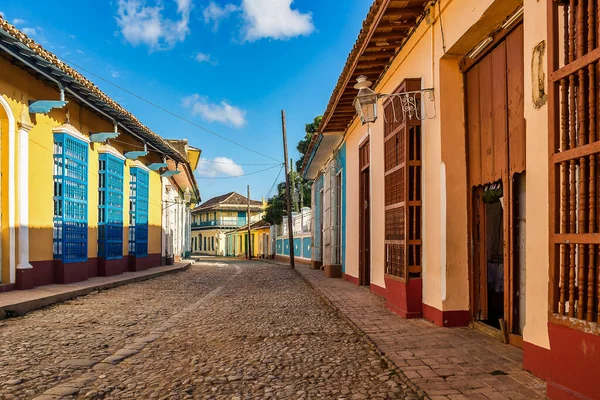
[
  {"x": 25, "y": 279},
  {"x": 65, "y": 273},
  {"x": 537, "y": 360},
  {"x": 350, "y": 279},
  {"x": 448, "y": 318},
  {"x": 378, "y": 290},
  {"x": 43, "y": 272},
  {"x": 7, "y": 287},
  {"x": 404, "y": 299},
  {"x": 112, "y": 267}
]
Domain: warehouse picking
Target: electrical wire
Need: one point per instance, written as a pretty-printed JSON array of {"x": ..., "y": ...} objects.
[
  {"x": 135, "y": 146},
  {"x": 275, "y": 182},
  {"x": 239, "y": 176},
  {"x": 442, "y": 27},
  {"x": 166, "y": 110}
]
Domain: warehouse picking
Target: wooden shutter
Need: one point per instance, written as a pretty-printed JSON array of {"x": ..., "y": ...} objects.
[
  {"x": 402, "y": 152},
  {"x": 574, "y": 171}
]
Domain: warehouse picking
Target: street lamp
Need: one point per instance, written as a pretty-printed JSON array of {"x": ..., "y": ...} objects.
[
  {"x": 187, "y": 195},
  {"x": 410, "y": 102},
  {"x": 366, "y": 101}
]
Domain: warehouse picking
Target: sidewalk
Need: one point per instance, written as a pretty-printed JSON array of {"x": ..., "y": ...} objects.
[
  {"x": 20, "y": 302},
  {"x": 446, "y": 363}
]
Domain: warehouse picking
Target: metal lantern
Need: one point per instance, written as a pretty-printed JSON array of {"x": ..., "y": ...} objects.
[
  {"x": 187, "y": 195},
  {"x": 366, "y": 101}
]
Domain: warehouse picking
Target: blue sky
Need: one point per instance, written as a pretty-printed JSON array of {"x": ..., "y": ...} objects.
[{"x": 230, "y": 66}]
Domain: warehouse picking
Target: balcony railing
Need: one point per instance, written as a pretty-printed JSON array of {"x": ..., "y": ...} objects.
[{"x": 222, "y": 222}]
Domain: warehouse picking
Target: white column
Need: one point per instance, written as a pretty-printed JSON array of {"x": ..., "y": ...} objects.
[{"x": 24, "y": 126}]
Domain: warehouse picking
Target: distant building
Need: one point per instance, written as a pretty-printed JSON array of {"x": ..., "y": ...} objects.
[
  {"x": 236, "y": 241},
  {"x": 213, "y": 219},
  {"x": 303, "y": 243}
]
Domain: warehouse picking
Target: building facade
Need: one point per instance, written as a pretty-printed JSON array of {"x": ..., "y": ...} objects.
[
  {"x": 472, "y": 198},
  {"x": 213, "y": 219},
  {"x": 236, "y": 241},
  {"x": 303, "y": 237},
  {"x": 82, "y": 178}
]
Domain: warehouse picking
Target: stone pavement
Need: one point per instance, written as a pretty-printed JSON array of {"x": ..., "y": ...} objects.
[
  {"x": 446, "y": 363},
  {"x": 20, "y": 302},
  {"x": 220, "y": 330}
]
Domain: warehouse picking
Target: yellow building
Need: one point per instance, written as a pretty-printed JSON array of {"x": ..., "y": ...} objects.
[
  {"x": 213, "y": 219},
  {"x": 236, "y": 242},
  {"x": 82, "y": 179},
  {"x": 465, "y": 183}
]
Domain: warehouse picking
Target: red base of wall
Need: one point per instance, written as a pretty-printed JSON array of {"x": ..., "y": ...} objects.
[
  {"x": 571, "y": 366},
  {"x": 316, "y": 264},
  {"x": 7, "y": 287},
  {"x": 65, "y": 273},
  {"x": 448, "y": 319},
  {"x": 332, "y": 271},
  {"x": 143, "y": 263},
  {"x": 378, "y": 290},
  {"x": 350, "y": 279},
  {"x": 25, "y": 279},
  {"x": 404, "y": 299},
  {"x": 112, "y": 267}
]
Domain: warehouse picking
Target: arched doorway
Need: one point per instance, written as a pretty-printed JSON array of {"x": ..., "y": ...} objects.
[{"x": 7, "y": 185}]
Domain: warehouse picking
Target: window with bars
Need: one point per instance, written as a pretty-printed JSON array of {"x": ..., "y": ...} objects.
[
  {"x": 138, "y": 212},
  {"x": 70, "y": 231},
  {"x": 575, "y": 170},
  {"x": 402, "y": 177},
  {"x": 110, "y": 206}
]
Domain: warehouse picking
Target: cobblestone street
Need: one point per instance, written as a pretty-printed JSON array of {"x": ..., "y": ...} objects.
[{"x": 221, "y": 329}]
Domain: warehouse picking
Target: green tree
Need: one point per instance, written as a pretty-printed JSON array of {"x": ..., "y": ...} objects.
[
  {"x": 302, "y": 147},
  {"x": 277, "y": 205}
]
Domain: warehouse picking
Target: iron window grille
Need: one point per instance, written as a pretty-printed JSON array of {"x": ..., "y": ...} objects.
[
  {"x": 110, "y": 206},
  {"x": 70, "y": 231},
  {"x": 138, "y": 212}
]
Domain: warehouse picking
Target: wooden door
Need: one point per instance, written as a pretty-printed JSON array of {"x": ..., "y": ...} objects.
[
  {"x": 496, "y": 155},
  {"x": 364, "y": 216}
]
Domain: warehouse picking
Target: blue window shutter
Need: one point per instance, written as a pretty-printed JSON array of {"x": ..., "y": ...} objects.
[
  {"x": 110, "y": 207},
  {"x": 138, "y": 213},
  {"x": 70, "y": 231}
]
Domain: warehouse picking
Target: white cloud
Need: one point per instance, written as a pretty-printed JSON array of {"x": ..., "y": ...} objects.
[
  {"x": 215, "y": 112},
  {"x": 214, "y": 13},
  {"x": 274, "y": 19},
  {"x": 220, "y": 166},
  {"x": 80, "y": 51},
  {"x": 18, "y": 21},
  {"x": 114, "y": 73},
  {"x": 142, "y": 24},
  {"x": 29, "y": 31},
  {"x": 205, "y": 58}
]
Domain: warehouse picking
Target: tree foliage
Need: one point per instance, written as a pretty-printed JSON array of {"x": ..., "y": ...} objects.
[{"x": 277, "y": 205}]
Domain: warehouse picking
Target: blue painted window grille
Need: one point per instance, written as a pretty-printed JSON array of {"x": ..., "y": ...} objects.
[
  {"x": 110, "y": 207},
  {"x": 70, "y": 231},
  {"x": 138, "y": 212}
]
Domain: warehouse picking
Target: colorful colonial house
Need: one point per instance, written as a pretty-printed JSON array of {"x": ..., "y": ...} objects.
[
  {"x": 236, "y": 241},
  {"x": 469, "y": 174},
  {"x": 302, "y": 233},
  {"x": 82, "y": 179},
  {"x": 214, "y": 218}
]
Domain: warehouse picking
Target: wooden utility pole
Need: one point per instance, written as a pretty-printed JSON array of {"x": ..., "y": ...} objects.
[
  {"x": 288, "y": 192},
  {"x": 249, "y": 249}
]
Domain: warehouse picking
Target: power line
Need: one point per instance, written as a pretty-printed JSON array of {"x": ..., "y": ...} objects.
[
  {"x": 274, "y": 183},
  {"x": 135, "y": 146},
  {"x": 166, "y": 110},
  {"x": 239, "y": 176}
]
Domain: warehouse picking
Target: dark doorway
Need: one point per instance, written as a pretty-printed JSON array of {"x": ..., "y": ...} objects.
[{"x": 365, "y": 217}]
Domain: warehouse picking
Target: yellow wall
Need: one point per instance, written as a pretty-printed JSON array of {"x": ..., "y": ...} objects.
[{"x": 18, "y": 87}]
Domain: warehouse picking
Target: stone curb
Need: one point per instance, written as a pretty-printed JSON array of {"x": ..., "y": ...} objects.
[
  {"x": 22, "y": 308},
  {"x": 407, "y": 381}
]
